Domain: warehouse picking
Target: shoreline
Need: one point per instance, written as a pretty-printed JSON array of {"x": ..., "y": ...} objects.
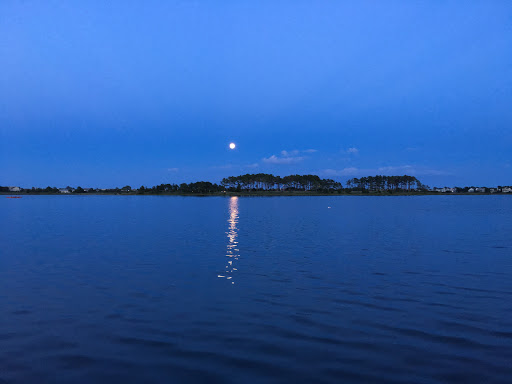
[{"x": 259, "y": 194}]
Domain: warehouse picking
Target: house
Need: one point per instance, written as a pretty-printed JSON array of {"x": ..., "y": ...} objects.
[
  {"x": 476, "y": 189},
  {"x": 64, "y": 190},
  {"x": 14, "y": 189},
  {"x": 506, "y": 189},
  {"x": 445, "y": 189}
]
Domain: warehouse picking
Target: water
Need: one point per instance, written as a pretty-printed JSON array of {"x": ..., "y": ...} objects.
[{"x": 102, "y": 289}]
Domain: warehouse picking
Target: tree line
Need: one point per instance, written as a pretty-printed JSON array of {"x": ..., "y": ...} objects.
[
  {"x": 263, "y": 182},
  {"x": 246, "y": 183},
  {"x": 269, "y": 182},
  {"x": 386, "y": 183}
]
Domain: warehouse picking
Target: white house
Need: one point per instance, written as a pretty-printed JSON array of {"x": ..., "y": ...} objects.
[
  {"x": 445, "y": 189},
  {"x": 64, "y": 190},
  {"x": 506, "y": 190},
  {"x": 14, "y": 189}
]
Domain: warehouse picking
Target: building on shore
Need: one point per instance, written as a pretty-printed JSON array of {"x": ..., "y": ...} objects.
[{"x": 445, "y": 189}]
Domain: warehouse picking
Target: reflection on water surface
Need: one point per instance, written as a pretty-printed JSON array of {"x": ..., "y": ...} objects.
[{"x": 232, "y": 251}]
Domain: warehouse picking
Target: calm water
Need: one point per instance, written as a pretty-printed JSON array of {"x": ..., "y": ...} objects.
[{"x": 103, "y": 289}]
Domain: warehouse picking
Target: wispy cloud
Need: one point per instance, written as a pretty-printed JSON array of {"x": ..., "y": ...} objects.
[
  {"x": 350, "y": 171},
  {"x": 295, "y": 152},
  {"x": 415, "y": 170},
  {"x": 288, "y": 157},
  {"x": 283, "y": 160},
  {"x": 173, "y": 169},
  {"x": 350, "y": 151}
]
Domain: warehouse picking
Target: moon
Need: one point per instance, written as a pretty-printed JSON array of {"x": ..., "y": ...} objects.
[{"x": 232, "y": 146}]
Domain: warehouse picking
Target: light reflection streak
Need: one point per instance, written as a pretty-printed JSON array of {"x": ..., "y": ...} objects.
[{"x": 232, "y": 251}]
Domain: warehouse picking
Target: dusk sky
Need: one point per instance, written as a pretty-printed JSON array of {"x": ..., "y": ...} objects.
[{"x": 110, "y": 93}]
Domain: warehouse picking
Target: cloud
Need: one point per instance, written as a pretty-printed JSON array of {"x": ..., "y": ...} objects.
[
  {"x": 350, "y": 151},
  {"x": 395, "y": 169},
  {"x": 350, "y": 171},
  {"x": 282, "y": 160},
  {"x": 412, "y": 170},
  {"x": 255, "y": 165},
  {"x": 173, "y": 169},
  {"x": 434, "y": 172},
  {"x": 295, "y": 152},
  {"x": 288, "y": 157}
]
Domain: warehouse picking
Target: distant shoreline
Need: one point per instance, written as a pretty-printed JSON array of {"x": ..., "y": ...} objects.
[
  {"x": 257, "y": 194},
  {"x": 263, "y": 184}
]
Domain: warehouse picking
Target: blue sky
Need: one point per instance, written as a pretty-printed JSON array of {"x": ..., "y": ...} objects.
[{"x": 123, "y": 92}]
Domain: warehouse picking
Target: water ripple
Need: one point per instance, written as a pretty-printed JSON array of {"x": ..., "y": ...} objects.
[{"x": 379, "y": 290}]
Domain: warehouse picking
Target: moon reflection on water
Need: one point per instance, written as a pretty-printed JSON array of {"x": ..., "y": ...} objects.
[{"x": 232, "y": 251}]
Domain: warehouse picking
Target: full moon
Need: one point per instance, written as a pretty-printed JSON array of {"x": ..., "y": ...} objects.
[{"x": 232, "y": 145}]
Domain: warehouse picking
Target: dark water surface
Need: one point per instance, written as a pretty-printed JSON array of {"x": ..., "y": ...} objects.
[{"x": 104, "y": 289}]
